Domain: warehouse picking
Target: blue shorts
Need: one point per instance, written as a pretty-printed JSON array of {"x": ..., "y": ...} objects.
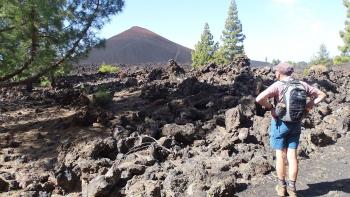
[{"x": 284, "y": 134}]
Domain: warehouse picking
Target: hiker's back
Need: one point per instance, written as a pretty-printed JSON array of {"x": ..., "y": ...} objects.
[{"x": 294, "y": 99}]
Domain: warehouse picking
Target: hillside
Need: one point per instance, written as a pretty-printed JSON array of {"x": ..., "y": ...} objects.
[{"x": 138, "y": 45}]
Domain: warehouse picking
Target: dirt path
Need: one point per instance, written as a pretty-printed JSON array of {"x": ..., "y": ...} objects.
[{"x": 326, "y": 173}]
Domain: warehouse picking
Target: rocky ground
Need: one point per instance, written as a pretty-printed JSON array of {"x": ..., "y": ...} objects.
[
  {"x": 167, "y": 132},
  {"x": 325, "y": 173}
]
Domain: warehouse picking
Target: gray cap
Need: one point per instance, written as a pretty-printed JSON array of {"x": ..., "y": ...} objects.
[{"x": 284, "y": 68}]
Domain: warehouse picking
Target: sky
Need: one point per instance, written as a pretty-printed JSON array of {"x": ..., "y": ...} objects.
[{"x": 289, "y": 30}]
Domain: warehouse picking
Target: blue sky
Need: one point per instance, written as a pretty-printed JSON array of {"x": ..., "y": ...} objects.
[{"x": 283, "y": 29}]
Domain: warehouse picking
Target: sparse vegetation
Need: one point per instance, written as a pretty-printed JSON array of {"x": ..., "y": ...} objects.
[
  {"x": 338, "y": 60},
  {"x": 275, "y": 61},
  {"x": 320, "y": 62},
  {"x": 45, "y": 82},
  {"x": 107, "y": 68},
  {"x": 322, "y": 57},
  {"x": 316, "y": 68},
  {"x": 102, "y": 97}
]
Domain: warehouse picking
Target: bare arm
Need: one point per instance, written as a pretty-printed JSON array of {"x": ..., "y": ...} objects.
[
  {"x": 319, "y": 98},
  {"x": 262, "y": 99}
]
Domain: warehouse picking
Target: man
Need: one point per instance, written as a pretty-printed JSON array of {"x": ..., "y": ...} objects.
[{"x": 284, "y": 136}]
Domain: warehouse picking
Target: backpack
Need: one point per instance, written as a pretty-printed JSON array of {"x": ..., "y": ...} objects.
[{"x": 294, "y": 97}]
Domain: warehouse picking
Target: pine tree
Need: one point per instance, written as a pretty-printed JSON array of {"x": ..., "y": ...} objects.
[
  {"x": 322, "y": 57},
  {"x": 275, "y": 61},
  {"x": 204, "y": 49},
  {"x": 233, "y": 36},
  {"x": 323, "y": 53},
  {"x": 219, "y": 57},
  {"x": 345, "y": 35},
  {"x": 42, "y": 37}
]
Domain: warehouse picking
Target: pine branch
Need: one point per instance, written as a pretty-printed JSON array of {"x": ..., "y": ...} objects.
[
  {"x": 59, "y": 62},
  {"x": 7, "y": 29},
  {"x": 11, "y": 27},
  {"x": 18, "y": 71},
  {"x": 33, "y": 50}
]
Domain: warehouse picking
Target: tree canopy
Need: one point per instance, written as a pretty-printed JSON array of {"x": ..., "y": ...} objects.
[
  {"x": 275, "y": 61},
  {"x": 204, "y": 49},
  {"x": 232, "y": 35},
  {"x": 345, "y": 35},
  {"x": 39, "y": 36},
  {"x": 322, "y": 57}
]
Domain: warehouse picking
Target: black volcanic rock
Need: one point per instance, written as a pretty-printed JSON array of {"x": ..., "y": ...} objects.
[{"x": 137, "y": 46}]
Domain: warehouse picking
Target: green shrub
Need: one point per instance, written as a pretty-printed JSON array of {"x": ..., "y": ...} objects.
[
  {"x": 107, "y": 68},
  {"x": 306, "y": 71},
  {"x": 318, "y": 69},
  {"x": 338, "y": 60},
  {"x": 102, "y": 97},
  {"x": 45, "y": 82}
]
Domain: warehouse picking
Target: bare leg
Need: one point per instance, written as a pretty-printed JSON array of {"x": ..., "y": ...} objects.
[
  {"x": 293, "y": 164},
  {"x": 280, "y": 163},
  {"x": 281, "y": 171}
]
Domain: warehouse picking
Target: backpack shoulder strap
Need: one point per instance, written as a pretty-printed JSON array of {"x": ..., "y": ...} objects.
[
  {"x": 299, "y": 83},
  {"x": 302, "y": 84},
  {"x": 286, "y": 85}
]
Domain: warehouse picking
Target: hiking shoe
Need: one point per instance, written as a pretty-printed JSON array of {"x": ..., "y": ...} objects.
[
  {"x": 291, "y": 192},
  {"x": 281, "y": 190}
]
